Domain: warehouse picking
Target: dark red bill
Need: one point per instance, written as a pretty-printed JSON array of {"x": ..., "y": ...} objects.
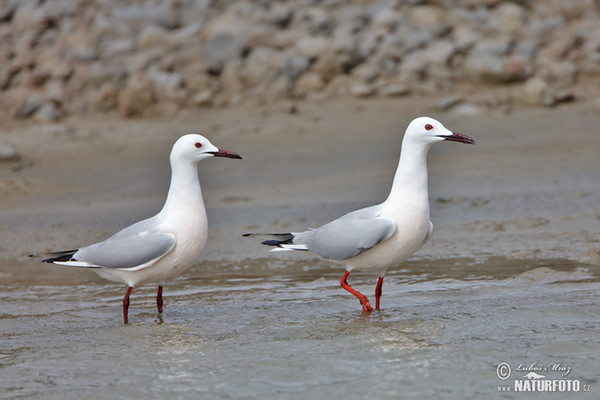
[
  {"x": 457, "y": 137},
  {"x": 225, "y": 153}
]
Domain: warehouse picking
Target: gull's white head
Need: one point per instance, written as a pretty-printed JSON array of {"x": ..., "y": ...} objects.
[
  {"x": 195, "y": 148},
  {"x": 427, "y": 130}
]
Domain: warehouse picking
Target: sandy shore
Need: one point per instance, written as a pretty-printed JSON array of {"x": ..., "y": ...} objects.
[{"x": 528, "y": 189}]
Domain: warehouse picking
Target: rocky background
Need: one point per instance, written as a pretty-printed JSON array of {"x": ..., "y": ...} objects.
[{"x": 146, "y": 58}]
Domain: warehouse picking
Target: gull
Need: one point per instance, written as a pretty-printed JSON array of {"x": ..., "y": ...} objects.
[
  {"x": 161, "y": 247},
  {"x": 381, "y": 236}
]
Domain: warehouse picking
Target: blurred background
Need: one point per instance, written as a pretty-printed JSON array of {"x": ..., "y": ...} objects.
[{"x": 148, "y": 58}]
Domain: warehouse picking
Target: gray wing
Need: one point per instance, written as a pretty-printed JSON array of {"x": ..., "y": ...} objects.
[
  {"x": 138, "y": 249},
  {"x": 348, "y": 236}
]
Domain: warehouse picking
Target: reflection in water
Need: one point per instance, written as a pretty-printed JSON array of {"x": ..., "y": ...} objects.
[{"x": 233, "y": 332}]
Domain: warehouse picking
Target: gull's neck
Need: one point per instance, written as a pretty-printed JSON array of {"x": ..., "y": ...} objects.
[
  {"x": 410, "y": 182},
  {"x": 184, "y": 192}
]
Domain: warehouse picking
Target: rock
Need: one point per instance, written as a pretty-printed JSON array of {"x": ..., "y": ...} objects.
[
  {"x": 493, "y": 69},
  {"x": 48, "y": 112},
  {"x": 366, "y": 72},
  {"x": 106, "y": 97},
  {"x": 464, "y": 37},
  {"x": 311, "y": 47},
  {"x": 225, "y": 39},
  {"x": 8, "y": 153},
  {"x": 307, "y": 84},
  {"x": 154, "y": 36},
  {"x": 386, "y": 19},
  {"x": 499, "y": 47},
  {"x": 509, "y": 18},
  {"x": 137, "y": 97},
  {"x": 394, "y": 90},
  {"x": 204, "y": 98},
  {"x": 263, "y": 65},
  {"x": 430, "y": 19},
  {"x": 30, "y": 106},
  {"x": 537, "y": 92},
  {"x": 559, "y": 73},
  {"x": 166, "y": 14},
  {"x": 295, "y": 66},
  {"x": 166, "y": 86},
  {"x": 362, "y": 90}
]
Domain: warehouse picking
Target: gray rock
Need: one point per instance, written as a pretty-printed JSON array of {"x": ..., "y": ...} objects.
[
  {"x": 48, "y": 112},
  {"x": 307, "y": 84},
  {"x": 366, "y": 72},
  {"x": 137, "y": 97},
  {"x": 295, "y": 66},
  {"x": 263, "y": 65},
  {"x": 225, "y": 40},
  {"x": 311, "y": 47},
  {"x": 430, "y": 19},
  {"x": 30, "y": 106},
  {"x": 394, "y": 90},
  {"x": 538, "y": 93},
  {"x": 493, "y": 69},
  {"x": 499, "y": 47},
  {"x": 8, "y": 153},
  {"x": 362, "y": 90}
]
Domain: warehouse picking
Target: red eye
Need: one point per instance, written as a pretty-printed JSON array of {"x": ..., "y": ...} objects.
[
  {"x": 428, "y": 127},
  {"x": 198, "y": 144}
]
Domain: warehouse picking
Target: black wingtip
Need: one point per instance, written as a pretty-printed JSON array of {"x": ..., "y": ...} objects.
[{"x": 56, "y": 256}]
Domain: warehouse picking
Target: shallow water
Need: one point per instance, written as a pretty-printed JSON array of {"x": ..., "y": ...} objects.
[{"x": 246, "y": 331}]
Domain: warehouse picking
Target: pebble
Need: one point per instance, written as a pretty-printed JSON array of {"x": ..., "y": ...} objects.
[{"x": 8, "y": 153}]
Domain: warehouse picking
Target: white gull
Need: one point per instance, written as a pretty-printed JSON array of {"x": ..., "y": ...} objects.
[
  {"x": 161, "y": 247},
  {"x": 381, "y": 236}
]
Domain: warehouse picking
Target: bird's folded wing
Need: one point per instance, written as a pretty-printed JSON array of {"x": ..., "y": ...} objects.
[
  {"x": 130, "y": 252},
  {"x": 346, "y": 237}
]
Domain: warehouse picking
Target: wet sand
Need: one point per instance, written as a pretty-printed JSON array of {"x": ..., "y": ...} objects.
[{"x": 510, "y": 274}]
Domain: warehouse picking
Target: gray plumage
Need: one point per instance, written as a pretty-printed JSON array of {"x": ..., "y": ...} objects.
[{"x": 347, "y": 236}]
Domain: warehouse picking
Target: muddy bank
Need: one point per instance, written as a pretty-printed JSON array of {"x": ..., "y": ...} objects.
[{"x": 528, "y": 189}]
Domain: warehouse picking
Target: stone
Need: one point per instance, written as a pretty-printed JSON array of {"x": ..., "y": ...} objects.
[
  {"x": 137, "y": 97},
  {"x": 166, "y": 86},
  {"x": 537, "y": 92},
  {"x": 393, "y": 90},
  {"x": 30, "y": 106},
  {"x": 225, "y": 39},
  {"x": 307, "y": 84},
  {"x": 509, "y": 18},
  {"x": 362, "y": 90},
  {"x": 263, "y": 65},
  {"x": 493, "y": 69},
  {"x": 154, "y": 36},
  {"x": 204, "y": 98},
  {"x": 366, "y": 72},
  {"x": 311, "y": 47},
  {"x": 8, "y": 153},
  {"x": 48, "y": 112},
  {"x": 295, "y": 66},
  {"x": 430, "y": 19},
  {"x": 464, "y": 37}
]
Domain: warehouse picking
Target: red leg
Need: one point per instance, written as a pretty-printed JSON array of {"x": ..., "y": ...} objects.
[
  {"x": 159, "y": 300},
  {"x": 378, "y": 292},
  {"x": 126, "y": 305},
  {"x": 361, "y": 297}
]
